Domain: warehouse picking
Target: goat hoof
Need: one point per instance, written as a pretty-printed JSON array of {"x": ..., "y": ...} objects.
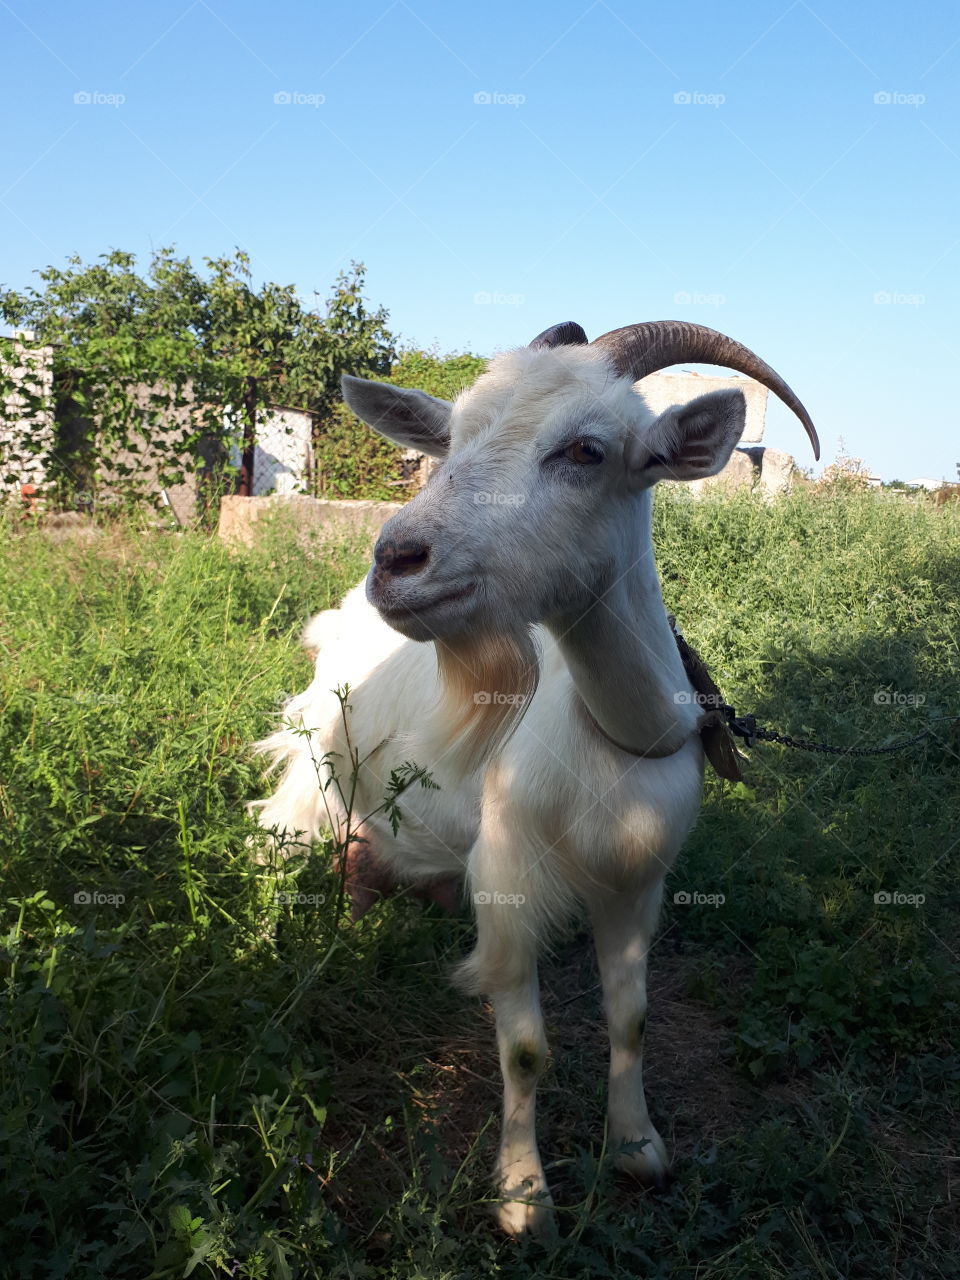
[
  {"x": 519, "y": 1220},
  {"x": 525, "y": 1206},
  {"x": 649, "y": 1166}
]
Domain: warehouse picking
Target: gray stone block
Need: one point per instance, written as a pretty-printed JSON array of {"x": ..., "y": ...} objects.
[{"x": 240, "y": 517}]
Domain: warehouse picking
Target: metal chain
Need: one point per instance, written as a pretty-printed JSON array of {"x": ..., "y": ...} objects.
[{"x": 747, "y": 728}]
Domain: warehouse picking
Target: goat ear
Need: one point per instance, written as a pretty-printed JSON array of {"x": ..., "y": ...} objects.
[
  {"x": 408, "y": 417},
  {"x": 690, "y": 441}
]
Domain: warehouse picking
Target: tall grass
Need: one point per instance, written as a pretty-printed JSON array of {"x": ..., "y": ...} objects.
[{"x": 183, "y": 1090}]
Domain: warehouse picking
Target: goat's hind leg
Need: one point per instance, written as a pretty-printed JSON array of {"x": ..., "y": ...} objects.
[{"x": 623, "y": 925}]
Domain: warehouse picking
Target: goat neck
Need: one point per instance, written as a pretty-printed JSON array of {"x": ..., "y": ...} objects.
[{"x": 623, "y": 657}]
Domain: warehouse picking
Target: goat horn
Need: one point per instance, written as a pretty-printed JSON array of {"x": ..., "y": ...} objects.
[
  {"x": 567, "y": 334},
  {"x": 639, "y": 349}
]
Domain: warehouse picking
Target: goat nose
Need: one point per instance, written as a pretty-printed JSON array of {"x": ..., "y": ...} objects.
[{"x": 400, "y": 559}]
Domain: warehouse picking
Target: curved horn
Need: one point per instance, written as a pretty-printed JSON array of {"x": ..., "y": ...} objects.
[
  {"x": 567, "y": 334},
  {"x": 639, "y": 349}
]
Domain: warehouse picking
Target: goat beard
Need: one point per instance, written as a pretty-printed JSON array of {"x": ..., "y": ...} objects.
[{"x": 487, "y": 681}]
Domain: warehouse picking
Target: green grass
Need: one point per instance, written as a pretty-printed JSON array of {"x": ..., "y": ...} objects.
[{"x": 185, "y": 1090}]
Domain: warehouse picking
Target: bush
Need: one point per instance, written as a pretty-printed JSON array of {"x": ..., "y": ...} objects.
[{"x": 353, "y": 461}]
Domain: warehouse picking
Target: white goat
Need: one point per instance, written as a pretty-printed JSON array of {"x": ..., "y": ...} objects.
[{"x": 552, "y": 705}]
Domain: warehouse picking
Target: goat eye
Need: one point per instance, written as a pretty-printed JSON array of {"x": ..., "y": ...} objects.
[{"x": 585, "y": 452}]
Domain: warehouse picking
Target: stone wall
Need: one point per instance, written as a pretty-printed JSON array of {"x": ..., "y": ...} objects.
[
  {"x": 22, "y": 421},
  {"x": 661, "y": 390},
  {"x": 767, "y": 470},
  {"x": 282, "y": 458},
  {"x": 240, "y": 517},
  {"x": 141, "y": 459}
]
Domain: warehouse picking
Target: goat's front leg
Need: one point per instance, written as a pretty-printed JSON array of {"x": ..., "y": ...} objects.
[
  {"x": 504, "y": 966},
  {"x": 623, "y": 925},
  {"x": 525, "y": 1202}
]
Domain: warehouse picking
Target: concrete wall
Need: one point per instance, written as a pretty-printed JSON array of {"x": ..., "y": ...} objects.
[
  {"x": 240, "y": 517},
  {"x": 182, "y": 497},
  {"x": 281, "y": 463},
  {"x": 17, "y": 425},
  {"x": 661, "y": 390}
]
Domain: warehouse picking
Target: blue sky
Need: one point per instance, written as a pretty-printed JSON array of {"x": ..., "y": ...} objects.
[{"x": 788, "y": 173}]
